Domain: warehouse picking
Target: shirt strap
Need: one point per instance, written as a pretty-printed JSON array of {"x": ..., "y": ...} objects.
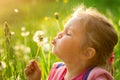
[
  {"x": 87, "y": 73},
  {"x": 59, "y": 65}
]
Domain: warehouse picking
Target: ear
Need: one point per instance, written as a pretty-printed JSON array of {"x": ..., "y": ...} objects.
[{"x": 90, "y": 53}]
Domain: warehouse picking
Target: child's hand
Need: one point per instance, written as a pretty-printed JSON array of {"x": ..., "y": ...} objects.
[{"x": 32, "y": 71}]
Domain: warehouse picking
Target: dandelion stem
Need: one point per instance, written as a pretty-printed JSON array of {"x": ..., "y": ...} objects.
[
  {"x": 38, "y": 49},
  {"x": 58, "y": 23}
]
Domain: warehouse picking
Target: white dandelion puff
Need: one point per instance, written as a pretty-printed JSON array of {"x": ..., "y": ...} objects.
[{"x": 38, "y": 37}]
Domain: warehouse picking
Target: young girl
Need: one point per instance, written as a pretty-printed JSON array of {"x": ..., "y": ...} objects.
[{"x": 85, "y": 46}]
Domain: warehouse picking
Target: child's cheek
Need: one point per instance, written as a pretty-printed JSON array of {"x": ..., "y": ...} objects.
[{"x": 64, "y": 43}]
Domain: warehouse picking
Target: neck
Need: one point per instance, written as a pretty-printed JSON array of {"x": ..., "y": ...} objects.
[{"x": 74, "y": 69}]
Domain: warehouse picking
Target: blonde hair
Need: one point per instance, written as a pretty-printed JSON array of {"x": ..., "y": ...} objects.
[{"x": 99, "y": 34}]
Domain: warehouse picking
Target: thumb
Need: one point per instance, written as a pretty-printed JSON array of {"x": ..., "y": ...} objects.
[{"x": 35, "y": 65}]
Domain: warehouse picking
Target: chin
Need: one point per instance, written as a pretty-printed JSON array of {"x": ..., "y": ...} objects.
[{"x": 53, "y": 50}]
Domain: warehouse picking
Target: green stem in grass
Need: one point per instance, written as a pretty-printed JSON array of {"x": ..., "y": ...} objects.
[{"x": 38, "y": 49}]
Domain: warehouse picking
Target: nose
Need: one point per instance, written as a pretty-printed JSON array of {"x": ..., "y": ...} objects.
[{"x": 59, "y": 35}]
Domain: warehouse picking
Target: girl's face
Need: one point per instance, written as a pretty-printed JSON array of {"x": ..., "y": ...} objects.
[{"x": 67, "y": 43}]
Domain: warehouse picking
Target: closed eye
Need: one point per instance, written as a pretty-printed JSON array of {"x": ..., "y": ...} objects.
[{"x": 68, "y": 34}]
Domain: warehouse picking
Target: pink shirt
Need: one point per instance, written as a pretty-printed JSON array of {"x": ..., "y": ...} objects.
[{"x": 58, "y": 72}]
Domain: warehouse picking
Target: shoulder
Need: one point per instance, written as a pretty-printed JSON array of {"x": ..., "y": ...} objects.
[
  {"x": 98, "y": 73},
  {"x": 57, "y": 65},
  {"x": 56, "y": 71}
]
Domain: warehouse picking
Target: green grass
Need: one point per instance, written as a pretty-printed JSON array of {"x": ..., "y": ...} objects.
[{"x": 40, "y": 16}]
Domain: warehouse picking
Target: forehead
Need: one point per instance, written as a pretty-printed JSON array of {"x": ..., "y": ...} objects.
[{"x": 75, "y": 23}]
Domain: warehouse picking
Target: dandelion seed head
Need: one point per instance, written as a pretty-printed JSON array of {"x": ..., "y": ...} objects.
[
  {"x": 56, "y": 15},
  {"x": 38, "y": 37}
]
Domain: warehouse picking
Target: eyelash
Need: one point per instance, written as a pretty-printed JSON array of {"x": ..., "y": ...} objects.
[{"x": 68, "y": 34}]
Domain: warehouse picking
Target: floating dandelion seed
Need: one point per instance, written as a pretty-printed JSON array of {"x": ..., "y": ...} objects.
[
  {"x": 38, "y": 38},
  {"x": 56, "y": 15},
  {"x": 23, "y": 29},
  {"x": 16, "y": 10}
]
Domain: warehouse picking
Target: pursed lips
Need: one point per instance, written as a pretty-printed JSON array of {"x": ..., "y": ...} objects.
[{"x": 54, "y": 42}]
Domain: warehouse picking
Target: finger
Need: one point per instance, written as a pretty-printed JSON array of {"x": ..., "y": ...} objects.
[
  {"x": 29, "y": 70},
  {"x": 27, "y": 73},
  {"x": 36, "y": 66},
  {"x": 31, "y": 61}
]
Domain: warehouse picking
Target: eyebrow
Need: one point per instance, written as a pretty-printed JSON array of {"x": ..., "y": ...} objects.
[{"x": 66, "y": 28}]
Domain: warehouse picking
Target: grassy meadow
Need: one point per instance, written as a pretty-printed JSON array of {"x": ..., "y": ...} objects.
[{"x": 19, "y": 21}]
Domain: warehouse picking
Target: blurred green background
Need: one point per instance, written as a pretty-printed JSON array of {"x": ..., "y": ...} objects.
[{"x": 28, "y": 16}]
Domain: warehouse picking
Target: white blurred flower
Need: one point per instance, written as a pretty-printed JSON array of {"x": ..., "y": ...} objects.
[
  {"x": 25, "y": 49},
  {"x": 38, "y": 37},
  {"x": 24, "y": 34},
  {"x": 23, "y": 29},
  {"x": 16, "y": 48},
  {"x": 22, "y": 48},
  {"x": 1, "y": 50},
  {"x": 12, "y": 33},
  {"x": 2, "y": 65},
  {"x": 26, "y": 57},
  {"x": 18, "y": 77}
]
